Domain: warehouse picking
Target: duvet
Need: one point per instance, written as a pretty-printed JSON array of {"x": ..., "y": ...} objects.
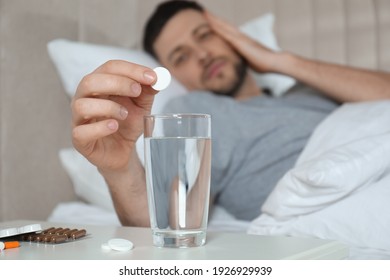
[{"x": 339, "y": 188}]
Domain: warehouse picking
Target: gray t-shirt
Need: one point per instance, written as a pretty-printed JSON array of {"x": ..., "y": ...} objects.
[{"x": 254, "y": 142}]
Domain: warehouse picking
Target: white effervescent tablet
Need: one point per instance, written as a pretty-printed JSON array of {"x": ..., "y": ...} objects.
[
  {"x": 119, "y": 244},
  {"x": 163, "y": 78}
]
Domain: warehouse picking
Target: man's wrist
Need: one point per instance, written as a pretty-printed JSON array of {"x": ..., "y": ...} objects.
[
  {"x": 283, "y": 62},
  {"x": 113, "y": 177},
  {"x": 128, "y": 172}
]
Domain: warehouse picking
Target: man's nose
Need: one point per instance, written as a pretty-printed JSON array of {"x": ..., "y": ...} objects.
[{"x": 203, "y": 55}]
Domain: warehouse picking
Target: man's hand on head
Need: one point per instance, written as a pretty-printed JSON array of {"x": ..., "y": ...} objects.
[{"x": 260, "y": 58}]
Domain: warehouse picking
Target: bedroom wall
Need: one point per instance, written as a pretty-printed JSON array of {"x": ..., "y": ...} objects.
[{"x": 34, "y": 110}]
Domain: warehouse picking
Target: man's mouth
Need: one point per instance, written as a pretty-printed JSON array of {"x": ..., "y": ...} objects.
[{"x": 213, "y": 68}]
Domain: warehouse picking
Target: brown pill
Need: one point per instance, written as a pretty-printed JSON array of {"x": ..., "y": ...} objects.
[
  {"x": 79, "y": 233},
  {"x": 31, "y": 237},
  {"x": 58, "y": 230},
  {"x": 51, "y": 231},
  {"x": 25, "y": 237},
  {"x": 47, "y": 230},
  {"x": 54, "y": 231},
  {"x": 61, "y": 232},
  {"x": 47, "y": 237},
  {"x": 69, "y": 233},
  {"x": 40, "y": 238},
  {"x": 58, "y": 238}
]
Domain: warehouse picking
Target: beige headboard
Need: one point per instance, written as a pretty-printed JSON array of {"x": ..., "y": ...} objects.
[{"x": 34, "y": 110}]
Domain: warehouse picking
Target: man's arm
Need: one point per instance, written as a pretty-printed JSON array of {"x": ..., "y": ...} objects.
[
  {"x": 128, "y": 193},
  {"x": 108, "y": 110},
  {"x": 344, "y": 84}
]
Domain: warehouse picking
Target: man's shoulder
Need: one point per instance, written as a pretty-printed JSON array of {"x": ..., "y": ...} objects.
[
  {"x": 196, "y": 95},
  {"x": 194, "y": 101}
]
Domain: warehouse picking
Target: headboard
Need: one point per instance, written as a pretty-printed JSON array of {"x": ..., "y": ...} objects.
[{"x": 34, "y": 110}]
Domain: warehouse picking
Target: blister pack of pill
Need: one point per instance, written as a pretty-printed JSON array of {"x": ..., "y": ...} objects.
[{"x": 55, "y": 235}]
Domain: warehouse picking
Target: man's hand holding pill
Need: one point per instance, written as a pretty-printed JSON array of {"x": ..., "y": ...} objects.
[
  {"x": 107, "y": 119},
  {"x": 108, "y": 110}
]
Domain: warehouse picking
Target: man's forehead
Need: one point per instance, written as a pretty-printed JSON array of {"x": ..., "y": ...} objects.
[{"x": 178, "y": 30}]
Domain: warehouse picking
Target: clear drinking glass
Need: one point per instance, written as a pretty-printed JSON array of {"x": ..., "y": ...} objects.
[{"x": 178, "y": 166}]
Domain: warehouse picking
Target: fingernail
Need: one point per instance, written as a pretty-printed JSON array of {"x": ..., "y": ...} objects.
[
  {"x": 136, "y": 88},
  {"x": 123, "y": 112},
  {"x": 112, "y": 125},
  {"x": 149, "y": 76}
]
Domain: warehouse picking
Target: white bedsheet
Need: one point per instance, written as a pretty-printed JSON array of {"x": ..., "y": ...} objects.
[{"x": 340, "y": 186}]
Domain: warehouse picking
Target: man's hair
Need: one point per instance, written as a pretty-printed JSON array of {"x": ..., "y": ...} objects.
[{"x": 163, "y": 13}]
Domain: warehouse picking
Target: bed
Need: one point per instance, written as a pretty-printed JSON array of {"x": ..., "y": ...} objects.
[{"x": 47, "y": 45}]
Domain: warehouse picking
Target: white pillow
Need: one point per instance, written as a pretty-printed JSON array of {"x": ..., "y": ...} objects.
[
  {"x": 87, "y": 182},
  {"x": 335, "y": 164},
  {"x": 335, "y": 174},
  {"x": 74, "y": 60},
  {"x": 339, "y": 189}
]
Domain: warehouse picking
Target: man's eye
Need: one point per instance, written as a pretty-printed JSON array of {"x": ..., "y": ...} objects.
[
  {"x": 205, "y": 35},
  {"x": 181, "y": 59}
]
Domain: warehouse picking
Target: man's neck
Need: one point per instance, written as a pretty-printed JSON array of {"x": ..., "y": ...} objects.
[{"x": 248, "y": 89}]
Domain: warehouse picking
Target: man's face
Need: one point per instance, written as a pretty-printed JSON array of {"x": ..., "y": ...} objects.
[{"x": 197, "y": 57}]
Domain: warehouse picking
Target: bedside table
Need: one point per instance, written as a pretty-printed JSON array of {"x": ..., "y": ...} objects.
[{"x": 219, "y": 246}]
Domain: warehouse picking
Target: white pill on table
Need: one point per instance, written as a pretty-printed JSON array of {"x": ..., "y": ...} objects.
[
  {"x": 163, "y": 78},
  {"x": 119, "y": 244}
]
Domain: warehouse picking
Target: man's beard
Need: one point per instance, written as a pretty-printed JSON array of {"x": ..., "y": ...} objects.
[{"x": 233, "y": 88}]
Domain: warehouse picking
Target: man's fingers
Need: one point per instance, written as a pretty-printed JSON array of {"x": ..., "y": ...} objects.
[
  {"x": 88, "y": 108},
  {"x": 97, "y": 84},
  {"x": 84, "y": 136},
  {"x": 136, "y": 72},
  {"x": 221, "y": 26},
  {"x": 117, "y": 77}
]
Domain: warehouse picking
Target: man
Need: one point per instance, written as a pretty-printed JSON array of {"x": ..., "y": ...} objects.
[{"x": 256, "y": 138}]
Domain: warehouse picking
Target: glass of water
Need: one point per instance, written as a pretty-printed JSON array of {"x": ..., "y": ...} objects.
[{"x": 178, "y": 166}]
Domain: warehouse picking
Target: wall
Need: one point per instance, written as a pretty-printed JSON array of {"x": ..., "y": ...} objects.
[{"x": 35, "y": 115}]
